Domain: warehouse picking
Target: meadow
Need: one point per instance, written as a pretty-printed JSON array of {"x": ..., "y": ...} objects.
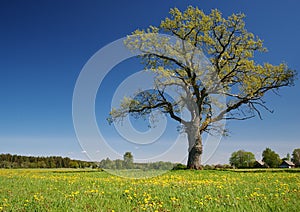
[{"x": 90, "y": 190}]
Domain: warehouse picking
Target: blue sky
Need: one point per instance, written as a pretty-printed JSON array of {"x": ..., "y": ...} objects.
[{"x": 45, "y": 44}]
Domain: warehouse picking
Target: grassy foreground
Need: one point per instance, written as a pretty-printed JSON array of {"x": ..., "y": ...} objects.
[{"x": 69, "y": 190}]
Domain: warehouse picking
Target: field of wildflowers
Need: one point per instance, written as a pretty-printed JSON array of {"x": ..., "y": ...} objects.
[{"x": 87, "y": 190}]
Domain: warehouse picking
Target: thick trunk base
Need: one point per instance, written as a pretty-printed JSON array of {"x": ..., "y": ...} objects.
[
  {"x": 194, "y": 159},
  {"x": 195, "y": 145}
]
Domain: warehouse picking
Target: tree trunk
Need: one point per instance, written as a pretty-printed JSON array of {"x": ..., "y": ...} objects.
[
  {"x": 194, "y": 159},
  {"x": 195, "y": 147}
]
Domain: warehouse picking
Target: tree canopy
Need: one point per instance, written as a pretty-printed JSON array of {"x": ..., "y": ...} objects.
[
  {"x": 296, "y": 157},
  {"x": 242, "y": 159},
  {"x": 271, "y": 158},
  {"x": 128, "y": 160},
  {"x": 19, "y": 161}
]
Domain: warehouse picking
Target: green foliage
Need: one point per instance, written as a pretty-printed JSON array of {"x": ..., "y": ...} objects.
[
  {"x": 128, "y": 160},
  {"x": 271, "y": 158},
  {"x": 127, "y": 163},
  {"x": 233, "y": 71},
  {"x": 179, "y": 166},
  {"x": 242, "y": 159},
  {"x": 209, "y": 167},
  {"x": 296, "y": 157},
  {"x": 18, "y": 161}
]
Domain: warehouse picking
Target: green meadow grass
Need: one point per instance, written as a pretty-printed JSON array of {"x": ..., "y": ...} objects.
[{"x": 88, "y": 190}]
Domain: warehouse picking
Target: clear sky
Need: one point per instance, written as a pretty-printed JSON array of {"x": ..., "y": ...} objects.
[{"x": 45, "y": 44}]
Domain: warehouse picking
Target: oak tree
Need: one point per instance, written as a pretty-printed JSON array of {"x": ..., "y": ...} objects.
[{"x": 202, "y": 56}]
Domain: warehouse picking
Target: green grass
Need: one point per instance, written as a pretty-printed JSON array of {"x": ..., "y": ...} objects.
[{"x": 83, "y": 190}]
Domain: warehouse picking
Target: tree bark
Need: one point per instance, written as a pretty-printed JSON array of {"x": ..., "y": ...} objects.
[{"x": 195, "y": 147}]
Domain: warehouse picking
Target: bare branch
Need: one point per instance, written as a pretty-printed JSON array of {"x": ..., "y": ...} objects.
[{"x": 240, "y": 119}]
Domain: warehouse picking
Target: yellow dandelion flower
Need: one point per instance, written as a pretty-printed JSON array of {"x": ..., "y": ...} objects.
[{"x": 174, "y": 199}]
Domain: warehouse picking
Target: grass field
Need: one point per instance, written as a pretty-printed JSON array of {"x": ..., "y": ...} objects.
[{"x": 73, "y": 190}]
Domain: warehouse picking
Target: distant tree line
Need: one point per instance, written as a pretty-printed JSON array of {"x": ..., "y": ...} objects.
[
  {"x": 238, "y": 159},
  {"x": 127, "y": 163},
  {"x": 18, "y": 161},
  {"x": 121, "y": 164},
  {"x": 270, "y": 159}
]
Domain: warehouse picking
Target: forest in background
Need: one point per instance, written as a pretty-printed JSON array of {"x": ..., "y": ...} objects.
[{"x": 18, "y": 161}]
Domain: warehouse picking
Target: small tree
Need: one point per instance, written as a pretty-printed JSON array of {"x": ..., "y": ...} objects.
[
  {"x": 271, "y": 158},
  {"x": 287, "y": 157},
  {"x": 296, "y": 157},
  {"x": 74, "y": 164},
  {"x": 106, "y": 164},
  {"x": 119, "y": 164},
  {"x": 128, "y": 160},
  {"x": 230, "y": 71},
  {"x": 242, "y": 159}
]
